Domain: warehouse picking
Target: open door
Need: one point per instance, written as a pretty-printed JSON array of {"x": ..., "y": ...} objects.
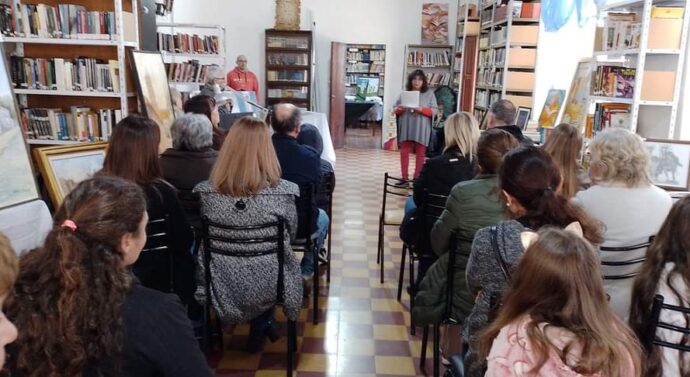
[{"x": 336, "y": 119}]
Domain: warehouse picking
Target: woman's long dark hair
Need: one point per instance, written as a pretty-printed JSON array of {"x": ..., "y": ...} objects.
[
  {"x": 200, "y": 104},
  {"x": 67, "y": 302},
  {"x": 671, "y": 245},
  {"x": 133, "y": 151},
  {"x": 531, "y": 176},
  {"x": 417, "y": 73}
]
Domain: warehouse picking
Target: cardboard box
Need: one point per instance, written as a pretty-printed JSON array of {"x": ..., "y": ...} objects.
[
  {"x": 524, "y": 101},
  {"x": 665, "y": 33},
  {"x": 530, "y": 10},
  {"x": 524, "y": 34},
  {"x": 667, "y": 12},
  {"x": 519, "y": 81},
  {"x": 522, "y": 57},
  {"x": 658, "y": 85}
]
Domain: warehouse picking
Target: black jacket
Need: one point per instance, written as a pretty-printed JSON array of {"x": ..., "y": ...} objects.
[
  {"x": 185, "y": 169},
  {"x": 517, "y": 132},
  {"x": 152, "y": 267},
  {"x": 439, "y": 174},
  {"x": 300, "y": 164}
]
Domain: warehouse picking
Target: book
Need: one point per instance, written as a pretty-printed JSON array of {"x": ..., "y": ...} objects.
[
  {"x": 188, "y": 43},
  {"x": 80, "y": 74},
  {"x": 613, "y": 81},
  {"x": 80, "y": 124}
]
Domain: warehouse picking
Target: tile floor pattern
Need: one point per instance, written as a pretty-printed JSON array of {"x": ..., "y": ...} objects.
[{"x": 363, "y": 330}]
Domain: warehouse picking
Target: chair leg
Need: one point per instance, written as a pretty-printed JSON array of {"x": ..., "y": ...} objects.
[
  {"x": 402, "y": 271},
  {"x": 291, "y": 347},
  {"x": 379, "y": 251},
  {"x": 413, "y": 291},
  {"x": 425, "y": 341},
  {"x": 437, "y": 350},
  {"x": 328, "y": 266},
  {"x": 381, "y": 265},
  {"x": 315, "y": 294}
]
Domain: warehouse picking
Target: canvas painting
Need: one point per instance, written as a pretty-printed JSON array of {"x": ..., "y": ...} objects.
[
  {"x": 435, "y": 24},
  {"x": 552, "y": 107},
  {"x": 154, "y": 93},
  {"x": 670, "y": 166},
  {"x": 578, "y": 97},
  {"x": 16, "y": 175}
]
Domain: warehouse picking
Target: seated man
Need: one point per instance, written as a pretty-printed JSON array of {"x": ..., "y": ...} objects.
[
  {"x": 502, "y": 115},
  {"x": 310, "y": 135},
  {"x": 300, "y": 164}
]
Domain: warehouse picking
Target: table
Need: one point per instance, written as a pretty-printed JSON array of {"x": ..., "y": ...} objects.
[
  {"x": 354, "y": 110},
  {"x": 26, "y": 225},
  {"x": 320, "y": 120}
]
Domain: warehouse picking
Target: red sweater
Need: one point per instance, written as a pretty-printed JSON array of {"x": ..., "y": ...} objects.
[
  {"x": 426, "y": 111},
  {"x": 243, "y": 81}
]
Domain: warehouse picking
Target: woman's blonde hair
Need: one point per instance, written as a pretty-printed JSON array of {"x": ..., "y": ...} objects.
[
  {"x": 461, "y": 130},
  {"x": 247, "y": 162},
  {"x": 9, "y": 265},
  {"x": 619, "y": 155},
  {"x": 564, "y": 146}
]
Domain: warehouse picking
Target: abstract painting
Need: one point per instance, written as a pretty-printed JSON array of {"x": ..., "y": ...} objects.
[
  {"x": 434, "y": 24},
  {"x": 552, "y": 108}
]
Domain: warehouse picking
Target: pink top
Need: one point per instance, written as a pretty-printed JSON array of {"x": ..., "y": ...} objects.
[{"x": 511, "y": 353}]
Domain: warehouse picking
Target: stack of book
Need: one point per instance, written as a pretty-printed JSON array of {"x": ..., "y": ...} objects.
[
  {"x": 610, "y": 115},
  {"x": 429, "y": 59},
  {"x": 188, "y": 43},
  {"x": 438, "y": 79},
  {"x": 191, "y": 72},
  {"x": 61, "y": 21},
  {"x": 622, "y": 31},
  {"x": 612, "y": 81},
  {"x": 81, "y": 74},
  {"x": 80, "y": 124}
]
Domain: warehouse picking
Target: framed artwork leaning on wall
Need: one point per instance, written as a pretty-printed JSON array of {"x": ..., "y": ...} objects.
[{"x": 670, "y": 163}]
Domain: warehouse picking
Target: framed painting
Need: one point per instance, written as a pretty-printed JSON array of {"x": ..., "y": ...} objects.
[
  {"x": 670, "y": 165},
  {"x": 578, "y": 96},
  {"x": 16, "y": 173},
  {"x": 63, "y": 168},
  {"x": 434, "y": 24},
  {"x": 552, "y": 108},
  {"x": 523, "y": 116},
  {"x": 154, "y": 93}
]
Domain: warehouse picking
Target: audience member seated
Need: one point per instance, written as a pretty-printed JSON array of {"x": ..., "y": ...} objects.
[
  {"x": 472, "y": 205},
  {"x": 502, "y": 115},
  {"x": 205, "y": 105},
  {"x": 245, "y": 189},
  {"x": 666, "y": 272},
  {"x": 133, "y": 155},
  {"x": 9, "y": 267},
  {"x": 564, "y": 145},
  {"x": 189, "y": 161},
  {"x": 529, "y": 181},
  {"x": 79, "y": 310},
  {"x": 300, "y": 164},
  {"x": 310, "y": 135},
  {"x": 623, "y": 198},
  {"x": 555, "y": 320}
]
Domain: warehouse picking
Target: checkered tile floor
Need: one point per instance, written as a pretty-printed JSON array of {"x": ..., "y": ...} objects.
[{"x": 363, "y": 330}]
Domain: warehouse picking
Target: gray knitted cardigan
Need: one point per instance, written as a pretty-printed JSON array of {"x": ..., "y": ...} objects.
[{"x": 243, "y": 288}]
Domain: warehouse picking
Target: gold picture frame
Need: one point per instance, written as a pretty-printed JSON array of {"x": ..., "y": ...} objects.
[
  {"x": 63, "y": 167},
  {"x": 288, "y": 14}
]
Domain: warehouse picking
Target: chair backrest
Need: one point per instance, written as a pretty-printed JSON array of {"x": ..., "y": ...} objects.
[
  {"x": 216, "y": 241},
  {"x": 389, "y": 187},
  {"x": 327, "y": 188},
  {"x": 307, "y": 211},
  {"x": 158, "y": 241},
  {"x": 450, "y": 282},
  {"x": 625, "y": 263},
  {"x": 429, "y": 211},
  {"x": 650, "y": 337}
]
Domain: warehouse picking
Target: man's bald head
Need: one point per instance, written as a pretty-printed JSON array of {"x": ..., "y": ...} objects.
[{"x": 286, "y": 118}]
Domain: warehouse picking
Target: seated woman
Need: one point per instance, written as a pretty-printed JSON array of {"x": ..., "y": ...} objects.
[
  {"x": 133, "y": 155},
  {"x": 624, "y": 199},
  {"x": 471, "y": 206},
  {"x": 555, "y": 320},
  {"x": 666, "y": 272},
  {"x": 564, "y": 145},
  {"x": 79, "y": 310},
  {"x": 9, "y": 268},
  {"x": 189, "y": 161},
  {"x": 245, "y": 189},
  {"x": 206, "y": 105},
  {"x": 529, "y": 182}
]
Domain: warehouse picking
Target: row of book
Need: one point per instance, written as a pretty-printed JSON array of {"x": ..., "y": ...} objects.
[
  {"x": 352, "y": 79},
  {"x": 366, "y": 55},
  {"x": 287, "y": 59},
  {"x": 190, "y": 71},
  {"x": 300, "y": 93},
  {"x": 189, "y": 43},
  {"x": 81, "y": 74},
  {"x": 438, "y": 79},
  {"x": 62, "y": 21},
  {"x": 291, "y": 76},
  {"x": 609, "y": 115},
  {"x": 491, "y": 77},
  {"x": 621, "y": 31},
  {"x": 80, "y": 124},
  {"x": 612, "y": 81},
  {"x": 484, "y": 98},
  {"x": 357, "y": 67},
  {"x": 287, "y": 42},
  {"x": 492, "y": 57},
  {"x": 429, "y": 59}
]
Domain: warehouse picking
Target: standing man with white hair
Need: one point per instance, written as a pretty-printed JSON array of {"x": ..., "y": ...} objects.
[{"x": 242, "y": 79}]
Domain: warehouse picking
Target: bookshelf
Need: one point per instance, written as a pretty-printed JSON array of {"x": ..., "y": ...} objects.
[
  {"x": 509, "y": 33},
  {"x": 289, "y": 73},
  {"x": 364, "y": 61},
  {"x": 434, "y": 60},
  {"x": 465, "y": 54},
  {"x": 187, "y": 69},
  {"x": 111, "y": 30},
  {"x": 649, "y": 38}
]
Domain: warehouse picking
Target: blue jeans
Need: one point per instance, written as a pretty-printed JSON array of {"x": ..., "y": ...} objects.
[
  {"x": 307, "y": 264},
  {"x": 410, "y": 207}
]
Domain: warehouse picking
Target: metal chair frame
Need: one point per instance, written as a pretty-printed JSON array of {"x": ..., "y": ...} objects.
[
  {"x": 629, "y": 262},
  {"x": 650, "y": 337},
  {"x": 389, "y": 187}
]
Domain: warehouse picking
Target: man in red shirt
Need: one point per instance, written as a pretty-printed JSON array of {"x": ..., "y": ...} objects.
[{"x": 242, "y": 79}]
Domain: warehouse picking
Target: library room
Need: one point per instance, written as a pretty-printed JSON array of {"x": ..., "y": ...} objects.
[{"x": 323, "y": 188}]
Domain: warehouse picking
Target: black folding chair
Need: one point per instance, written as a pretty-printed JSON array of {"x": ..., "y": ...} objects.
[
  {"x": 327, "y": 188},
  {"x": 305, "y": 241},
  {"x": 157, "y": 242},
  {"x": 650, "y": 340},
  {"x": 626, "y": 263},
  {"x": 215, "y": 243},
  {"x": 390, "y": 217}
]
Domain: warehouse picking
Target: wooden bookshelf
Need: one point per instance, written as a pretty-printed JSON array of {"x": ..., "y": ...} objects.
[
  {"x": 126, "y": 37},
  {"x": 288, "y": 73},
  {"x": 366, "y": 56},
  {"x": 441, "y": 66},
  {"x": 509, "y": 33}
]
